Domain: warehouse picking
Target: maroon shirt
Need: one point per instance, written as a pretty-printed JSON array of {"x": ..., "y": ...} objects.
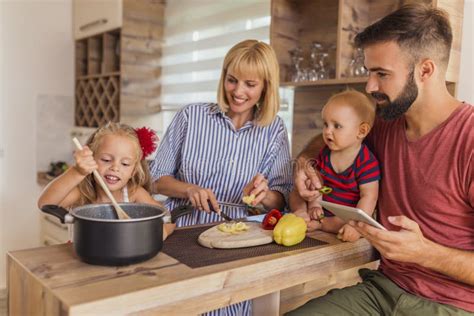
[
  {"x": 430, "y": 181},
  {"x": 345, "y": 185}
]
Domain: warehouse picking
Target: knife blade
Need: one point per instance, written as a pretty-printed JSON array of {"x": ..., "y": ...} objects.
[
  {"x": 226, "y": 217},
  {"x": 252, "y": 210}
]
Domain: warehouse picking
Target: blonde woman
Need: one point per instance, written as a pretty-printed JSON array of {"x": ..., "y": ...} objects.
[{"x": 220, "y": 152}]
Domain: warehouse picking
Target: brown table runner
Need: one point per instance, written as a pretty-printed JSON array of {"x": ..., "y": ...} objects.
[{"x": 183, "y": 246}]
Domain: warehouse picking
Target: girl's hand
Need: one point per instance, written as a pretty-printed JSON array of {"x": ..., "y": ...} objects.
[
  {"x": 202, "y": 199},
  {"x": 348, "y": 233},
  {"x": 85, "y": 163},
  {"x": 258, "y": 187}
]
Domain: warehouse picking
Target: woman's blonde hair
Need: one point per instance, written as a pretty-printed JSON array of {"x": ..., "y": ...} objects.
[
  {"x": 252, "y": 57},
  {"x": 141, "y": 174}
]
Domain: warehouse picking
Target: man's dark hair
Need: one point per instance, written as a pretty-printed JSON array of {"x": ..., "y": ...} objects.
[{"x": 421, "y": 30}]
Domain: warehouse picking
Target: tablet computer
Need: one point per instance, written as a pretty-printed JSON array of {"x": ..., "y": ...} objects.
[{"x": 347, "y": 213}]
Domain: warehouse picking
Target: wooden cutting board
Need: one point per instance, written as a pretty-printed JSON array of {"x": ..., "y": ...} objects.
[{"x": 254, "y": 236}]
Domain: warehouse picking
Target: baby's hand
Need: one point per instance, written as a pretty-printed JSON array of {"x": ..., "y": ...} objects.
[
  {"x": 316, "y": 213},
  {"x": 348, "y": 233},
  {"x": 312, "y": 225},
  {"x": 85, "y": 163}
]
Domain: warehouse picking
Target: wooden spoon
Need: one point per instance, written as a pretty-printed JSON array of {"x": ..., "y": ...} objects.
[{"x": 120, "y": 212}]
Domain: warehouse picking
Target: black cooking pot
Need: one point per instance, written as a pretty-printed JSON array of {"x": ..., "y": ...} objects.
[{"x": 103, "y": 239}]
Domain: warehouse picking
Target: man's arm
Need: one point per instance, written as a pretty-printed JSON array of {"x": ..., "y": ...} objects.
[
  {"x": 409, "y": 245},
  {"x": 304, "y": 170}
]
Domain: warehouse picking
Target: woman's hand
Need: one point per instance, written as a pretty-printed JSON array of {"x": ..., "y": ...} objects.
[
  {"x": 200, "y": 198},
  {"x": 258, "y": 187},
  {"x": 85, "y": 163}
]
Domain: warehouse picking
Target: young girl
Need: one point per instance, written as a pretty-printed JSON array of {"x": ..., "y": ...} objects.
[
  {"x": 345, "y": 164},
  {"x": 117, "y": 152}
]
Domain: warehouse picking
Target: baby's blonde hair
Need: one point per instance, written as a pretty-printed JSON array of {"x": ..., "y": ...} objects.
[
  {"x": 141, "y": 174},
  {"x": 359, "y": 102}
]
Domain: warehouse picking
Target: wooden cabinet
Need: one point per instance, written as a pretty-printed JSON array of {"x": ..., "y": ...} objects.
[
  {"x": 93, "y": 17},
  {"x": 52, "y": 231},
  {"x": 333, "y": 23},
  {"x": 118, "y": 71}
]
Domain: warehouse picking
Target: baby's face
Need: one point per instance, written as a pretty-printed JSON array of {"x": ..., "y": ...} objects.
[
  {"x": 341, "y": 128},
  {"x": 116, "y": 157}
]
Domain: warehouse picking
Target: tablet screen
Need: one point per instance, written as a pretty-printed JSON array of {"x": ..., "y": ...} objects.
[{"x": 347, "y": 213}]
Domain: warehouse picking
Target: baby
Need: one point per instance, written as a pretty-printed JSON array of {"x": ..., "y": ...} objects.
[{"x": 345, "y": 164}]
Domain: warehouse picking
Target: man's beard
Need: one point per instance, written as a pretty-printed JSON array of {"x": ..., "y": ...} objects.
[{"x": 392, "y": 110}]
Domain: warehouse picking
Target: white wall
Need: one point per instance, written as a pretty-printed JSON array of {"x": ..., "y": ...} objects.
[
  {"x": 36, "y": 58},
  {"x": 465, "y": 88}
]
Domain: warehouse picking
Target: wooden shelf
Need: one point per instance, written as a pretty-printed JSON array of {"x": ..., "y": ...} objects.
[
  {"x": 117, "y": 71},
  {"x": 42, "y": 179},
  {"x": 102, "y": 75},
  {"x": 324, "y": 82},
  {"x": 299, "y": 23}
]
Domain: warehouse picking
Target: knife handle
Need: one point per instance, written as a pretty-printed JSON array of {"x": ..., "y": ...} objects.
[{"x": 221, "y": 213}]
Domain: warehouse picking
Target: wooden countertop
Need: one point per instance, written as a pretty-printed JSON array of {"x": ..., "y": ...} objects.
[{"x": 52, "y": 281}]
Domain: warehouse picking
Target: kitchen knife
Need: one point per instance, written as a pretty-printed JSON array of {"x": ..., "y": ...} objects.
[
  {"x": 222, "y": 214},
  {"x": 252, "y": 210}
]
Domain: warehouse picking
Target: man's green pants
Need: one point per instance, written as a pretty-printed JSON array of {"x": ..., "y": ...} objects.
[{"x": 376, "y": 295}]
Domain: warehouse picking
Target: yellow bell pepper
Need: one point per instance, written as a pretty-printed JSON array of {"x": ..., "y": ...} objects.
[{"x": 290, "y": 230}]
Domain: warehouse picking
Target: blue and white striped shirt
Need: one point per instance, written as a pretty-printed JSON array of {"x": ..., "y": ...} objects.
[{"x": 202, "y": 146}]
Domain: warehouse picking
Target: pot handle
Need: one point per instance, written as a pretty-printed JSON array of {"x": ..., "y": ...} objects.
[
  {"x": 180, "y": 211},
  {"x": 57, "y": 211}
]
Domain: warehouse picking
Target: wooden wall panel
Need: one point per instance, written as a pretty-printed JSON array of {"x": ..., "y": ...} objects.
[
  {"x": 455, "y": 9},
  {"x": 142, "y": 34},
  {"x": 299, "y": 23},
  {"x": 284, "y": 33},
  {"x": 308, "y": 103}
]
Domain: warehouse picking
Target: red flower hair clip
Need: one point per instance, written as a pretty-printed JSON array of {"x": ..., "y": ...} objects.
[{"x": 148, "y": 139}]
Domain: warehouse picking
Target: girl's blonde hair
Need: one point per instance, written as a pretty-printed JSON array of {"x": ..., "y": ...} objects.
[
  {"x": 252, "y": 57},
  {"x": 141, "y": 174}
]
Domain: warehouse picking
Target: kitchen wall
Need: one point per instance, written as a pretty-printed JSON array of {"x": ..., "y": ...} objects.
[{"x": 36, "y": 58}]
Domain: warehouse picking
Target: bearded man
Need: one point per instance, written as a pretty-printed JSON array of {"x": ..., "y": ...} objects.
[{"x": 424, "y": 139}]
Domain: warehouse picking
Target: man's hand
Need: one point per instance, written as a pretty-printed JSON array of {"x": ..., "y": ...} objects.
[
  {"x": 307, "y": 180},
  {"x": 406, "y": 245}
]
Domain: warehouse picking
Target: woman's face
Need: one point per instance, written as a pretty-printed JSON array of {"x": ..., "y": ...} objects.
[{"x": 242, "y": 94}]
